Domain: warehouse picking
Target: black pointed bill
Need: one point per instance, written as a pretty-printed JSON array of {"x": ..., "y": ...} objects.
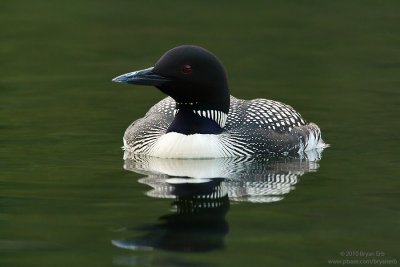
[{"x": 142, "y": 77}]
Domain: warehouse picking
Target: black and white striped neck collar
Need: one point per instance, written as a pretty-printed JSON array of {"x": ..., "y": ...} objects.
[
  {"x": 216, "y": 115},
  {"x": 196, "y": 121},
  {"x": 213, "y": 114}
]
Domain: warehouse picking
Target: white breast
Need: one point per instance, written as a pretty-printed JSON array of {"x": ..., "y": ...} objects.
[{"x": 176, "y": 145}]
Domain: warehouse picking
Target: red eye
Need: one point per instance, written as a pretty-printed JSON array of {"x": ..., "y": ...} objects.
[{"x": 187, "y": 69}]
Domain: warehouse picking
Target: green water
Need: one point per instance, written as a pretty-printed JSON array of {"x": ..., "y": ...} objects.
[{"x": 64, "y": 194}]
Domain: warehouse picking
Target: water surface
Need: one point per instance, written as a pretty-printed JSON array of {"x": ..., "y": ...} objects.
[{"x": 65, "y": 195}]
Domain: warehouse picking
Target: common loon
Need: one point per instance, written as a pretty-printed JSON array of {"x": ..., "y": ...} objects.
[{"x": 200, "y": 119}]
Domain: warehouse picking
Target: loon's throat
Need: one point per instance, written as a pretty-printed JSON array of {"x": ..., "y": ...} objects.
[{"x": 189, "y": 121}]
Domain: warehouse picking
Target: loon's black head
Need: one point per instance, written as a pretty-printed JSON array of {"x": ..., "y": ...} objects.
[{"x": 191, "y": 75}]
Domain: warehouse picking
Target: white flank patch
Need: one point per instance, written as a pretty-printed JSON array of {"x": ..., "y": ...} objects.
[{"x": 176, "y": 145}]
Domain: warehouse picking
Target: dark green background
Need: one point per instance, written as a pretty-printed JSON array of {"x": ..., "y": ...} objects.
[{"x": 63, "y": 191}]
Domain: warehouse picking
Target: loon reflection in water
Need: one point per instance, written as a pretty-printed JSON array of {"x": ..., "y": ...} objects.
[{"x": 202, "y": 191}]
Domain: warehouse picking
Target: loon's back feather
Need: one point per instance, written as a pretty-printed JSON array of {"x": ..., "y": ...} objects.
[{"x": 258, "y": 126}]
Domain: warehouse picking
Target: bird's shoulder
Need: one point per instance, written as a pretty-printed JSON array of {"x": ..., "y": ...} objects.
[{"x": 263, "y": 113}]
